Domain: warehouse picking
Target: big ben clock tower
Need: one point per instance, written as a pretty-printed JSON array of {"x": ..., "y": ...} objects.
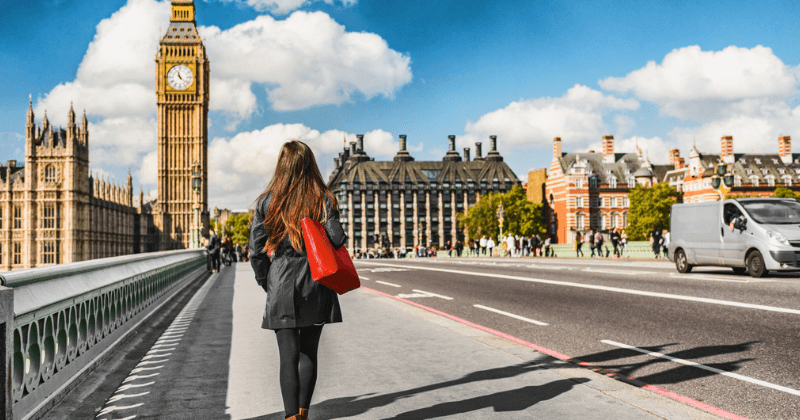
[{"x": 182, "y": 73}]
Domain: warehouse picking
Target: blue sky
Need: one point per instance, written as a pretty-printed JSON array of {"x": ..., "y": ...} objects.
[{"x": 660, "y": 74}]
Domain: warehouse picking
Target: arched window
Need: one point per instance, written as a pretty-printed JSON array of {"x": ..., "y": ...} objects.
[
  {"x": 593, "y": 183},
  {"x": 50, "y": 173},
  {"x": 612, "y": 183}
]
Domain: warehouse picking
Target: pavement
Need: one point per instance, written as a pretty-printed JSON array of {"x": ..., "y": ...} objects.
[{"x": 389, "y": 359}]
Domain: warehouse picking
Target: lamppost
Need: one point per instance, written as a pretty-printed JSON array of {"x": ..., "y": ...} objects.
[
  {"x": 722, "y": 180},
  {"x": 501, "y": 215},
  {"x": 196, "y": 183}
]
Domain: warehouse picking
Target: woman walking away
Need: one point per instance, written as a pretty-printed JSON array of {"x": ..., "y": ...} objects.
[
  {"x": 297, "y": 306},
  {"x": 578, "y": 244}
]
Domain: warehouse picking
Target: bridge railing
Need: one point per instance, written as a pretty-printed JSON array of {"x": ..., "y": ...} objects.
[{"x": 67, "y": 318}]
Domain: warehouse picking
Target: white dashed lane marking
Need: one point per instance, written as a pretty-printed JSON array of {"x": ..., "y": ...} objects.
[
  {"x": 432, "y": 294},
  {"x": 388, "y": 284},
  {"x": 704, "y": 367},
  {"x": 521, "y": 318}
]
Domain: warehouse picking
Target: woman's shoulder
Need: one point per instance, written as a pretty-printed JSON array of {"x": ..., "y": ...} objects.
[{"x": 263, "y": 203}]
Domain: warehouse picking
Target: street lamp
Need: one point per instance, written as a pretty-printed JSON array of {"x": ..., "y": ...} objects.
[
  {"x": 196, "y": 184},
  {"x": 501, "y": 215},
  {"x": 722, "y": 180}
]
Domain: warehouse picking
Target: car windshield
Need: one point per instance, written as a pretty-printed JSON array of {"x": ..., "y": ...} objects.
[{"x": 773, "y": 212}]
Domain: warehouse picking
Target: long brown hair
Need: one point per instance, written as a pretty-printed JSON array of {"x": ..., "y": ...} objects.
[{"x": 298, "y": 191}]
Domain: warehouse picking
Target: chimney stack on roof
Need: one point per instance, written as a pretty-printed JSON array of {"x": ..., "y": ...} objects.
[
  {"x": 679, "y": 163},
  {"x": 494, "y": 154},
  {"x": 726, "y": 154},
  {"x": 402, "y": 154},
  {"x": 353, "y": 150},
  {"x": 451, "y": 154},
  {"x": 785, "y": 149},
  {"x": 557, "y": 147},
  {"x": 360, "y": 139},
  {"x": 608, "y": 149},
  {"x": 12, "y": 163},
  {"x": 478, "y": 151},
  {"x": 336, "y": 162},
  {"x": 674, "y": 154},
  {"x": 466, "y": 154}
]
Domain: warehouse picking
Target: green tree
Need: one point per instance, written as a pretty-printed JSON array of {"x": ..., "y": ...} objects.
[
  {"x": 237, "y": 227},
  {"x": 650, "y": 208},
  {"x": 783, "y": 192},
  {"x": 523, "y": 217}
]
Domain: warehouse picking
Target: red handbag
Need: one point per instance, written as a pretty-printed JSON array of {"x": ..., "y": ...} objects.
[{"x": 331, "y": 267}]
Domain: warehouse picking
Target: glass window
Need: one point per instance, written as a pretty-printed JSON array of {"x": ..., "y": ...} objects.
[
  {"x": 578, "y": 183},
  {"x": 579, "y": 221},
  {"x": 773, "y": 212},
  {"x": 50, "y": 174},
  {"x": 50, "y": 252},
  {"x": 578, "y": 201},
  {"x": 17, "y": 217},
  {"x": 49, "y": 216},
  {"x": 17, "y": 253},
  {"x": 1, "y": 220},
  {"x": 612, "y": 183}
]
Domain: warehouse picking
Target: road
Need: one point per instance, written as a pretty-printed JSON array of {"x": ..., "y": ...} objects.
[{"x": 726, "y": 340}]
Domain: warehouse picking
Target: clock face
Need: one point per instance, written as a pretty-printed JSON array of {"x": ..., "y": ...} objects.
[{"x": 180, "y": 77}]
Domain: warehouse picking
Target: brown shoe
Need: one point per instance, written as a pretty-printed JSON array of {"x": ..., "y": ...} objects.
[
  {"x": 294, "y": 417},
  {"x": 303, "y": 414}
]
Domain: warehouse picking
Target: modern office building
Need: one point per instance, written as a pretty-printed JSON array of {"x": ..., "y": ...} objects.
[{"x": 404, "y": 202}]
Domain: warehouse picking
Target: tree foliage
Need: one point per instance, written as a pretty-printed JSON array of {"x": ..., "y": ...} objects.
[
  {"x": 650, "y": 208},
  {"x": 237, "y": 227},
  {"x": 523, "y": 217},
  {"x": 783, "y": 192}
]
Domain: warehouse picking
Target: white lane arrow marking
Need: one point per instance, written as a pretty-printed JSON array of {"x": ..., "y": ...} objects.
[
  {"x": 432, "y": 294},
  {"x": 388, "y": 284}
]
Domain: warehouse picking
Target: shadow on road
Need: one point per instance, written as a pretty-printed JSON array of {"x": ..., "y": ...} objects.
[
  {"x": 678, "y": 374},
  {"x": 513, "y": 400}
]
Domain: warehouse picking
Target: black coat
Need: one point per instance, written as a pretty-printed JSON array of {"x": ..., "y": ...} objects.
[
  {"x": 294, "y": 299},
  {"x": 213, "y": 245}
]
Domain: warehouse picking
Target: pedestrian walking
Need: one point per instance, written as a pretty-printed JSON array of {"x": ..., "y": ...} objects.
[
  {"x": 483, "y": 244},
  {"x": 213, "y": 250},
  {"x": 511, "y": 245},
  {"x": 578, "y": 244},
  {"x": 665, "y": 242},
  {"x": 526, "y": 245},
  {"x": 598, "y": 243},
  {"x": 458, "y": 247},
  {"x": 547, "y": 250},
  {"x": 297, "y": 306},
  {"x": 592, "y": 239},
  {"x": 623, "y": 241},
  {"x": 655, "y": 241},
  {"x": 615, "y": 242},
  {"x": 489, "y": 246},
  {"x": 536, "y": 245}
]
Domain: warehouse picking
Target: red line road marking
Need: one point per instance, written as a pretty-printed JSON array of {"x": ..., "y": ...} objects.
[{"x": 669, "y": 394}]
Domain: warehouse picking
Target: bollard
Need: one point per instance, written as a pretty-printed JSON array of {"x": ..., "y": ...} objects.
[{"x": 6, "y": 329}]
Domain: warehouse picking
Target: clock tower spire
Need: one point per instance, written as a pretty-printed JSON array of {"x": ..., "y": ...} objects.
[{"x": 182, "y": 95}]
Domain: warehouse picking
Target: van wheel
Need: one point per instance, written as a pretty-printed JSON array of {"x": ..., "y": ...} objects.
[
  {"x": 681, "y": 263},
  {"x": 739, "y": 270},
  {"x": 755, "y": 264}
]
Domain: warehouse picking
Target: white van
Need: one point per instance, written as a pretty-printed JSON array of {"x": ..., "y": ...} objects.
[{"x": 753, "y": 234}]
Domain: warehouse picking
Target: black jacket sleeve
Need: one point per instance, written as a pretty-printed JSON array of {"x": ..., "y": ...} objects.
[
  {"x": 332, "y": 226},
  {"x": 259, "y": 259}
]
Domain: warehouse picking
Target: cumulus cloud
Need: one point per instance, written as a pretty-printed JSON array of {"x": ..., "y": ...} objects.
[
  {"x": 280, "y": 7},
  {"x": 654, "y": 148},
  {"x": 305, "y": 60},
  {"x": 577, "y": 117},
  {"x": 241, "y": 167},
  {"x": 706, "y": 85}
]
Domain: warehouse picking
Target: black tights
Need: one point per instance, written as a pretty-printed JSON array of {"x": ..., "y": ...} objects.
[{"x": 298, "y": 352}]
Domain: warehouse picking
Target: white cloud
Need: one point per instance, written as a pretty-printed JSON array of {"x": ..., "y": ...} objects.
[
  {"x": 241, "y": 167},
  {"x": 624, "y": 124},
  {"x": 706, "y": 85},
  {"x": 654, "y": 148},
  {"x": 576, "y": 117},
  {"x": 280, "y": 7},
  {"x": 305, "y": 60}
]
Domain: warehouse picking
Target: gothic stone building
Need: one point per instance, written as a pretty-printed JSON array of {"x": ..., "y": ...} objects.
[
  {"x": 403, "y": 202},
  {"x": 52, "y": 211}
]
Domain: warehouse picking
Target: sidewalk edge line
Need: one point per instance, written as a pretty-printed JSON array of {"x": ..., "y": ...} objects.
[{"x": 631, "y": 381}]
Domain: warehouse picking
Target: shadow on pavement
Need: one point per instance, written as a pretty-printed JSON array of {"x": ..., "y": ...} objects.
[
  {"x": 670, "y": 376},
  {"x": 513, "y": 400}
]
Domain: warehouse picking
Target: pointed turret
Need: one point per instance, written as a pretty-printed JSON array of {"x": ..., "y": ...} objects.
[
  {"x": 30, "y": 109},
  {"x": 71, "y": 116}
]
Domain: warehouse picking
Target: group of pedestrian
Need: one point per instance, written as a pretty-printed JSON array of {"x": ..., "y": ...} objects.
[
  {"x": 457, "y": 247},
  {"x": 659, "y": 241},
  {"x": 596, "y": 241},
  {"x": 513, "y": 246},
  {"x": 222, "y": 251}
]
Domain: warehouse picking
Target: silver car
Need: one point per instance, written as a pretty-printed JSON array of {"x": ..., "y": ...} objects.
[{"x": 753, "y": 234}]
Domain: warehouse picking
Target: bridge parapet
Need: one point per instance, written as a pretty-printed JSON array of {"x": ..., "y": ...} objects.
[{"x": 67, "y": 318}]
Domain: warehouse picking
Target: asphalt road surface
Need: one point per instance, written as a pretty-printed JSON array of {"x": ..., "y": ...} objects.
[{"x": 727, "y": 340}]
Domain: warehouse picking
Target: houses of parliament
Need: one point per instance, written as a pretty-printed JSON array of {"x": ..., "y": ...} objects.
[{"x": 53, "y": 211}]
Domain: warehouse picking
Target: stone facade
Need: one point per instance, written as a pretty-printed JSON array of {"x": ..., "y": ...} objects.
[
  {"x": 182, "y": 127},
  {"x": 52, "y": 211},
  {"x": 403, "y": 203}
]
